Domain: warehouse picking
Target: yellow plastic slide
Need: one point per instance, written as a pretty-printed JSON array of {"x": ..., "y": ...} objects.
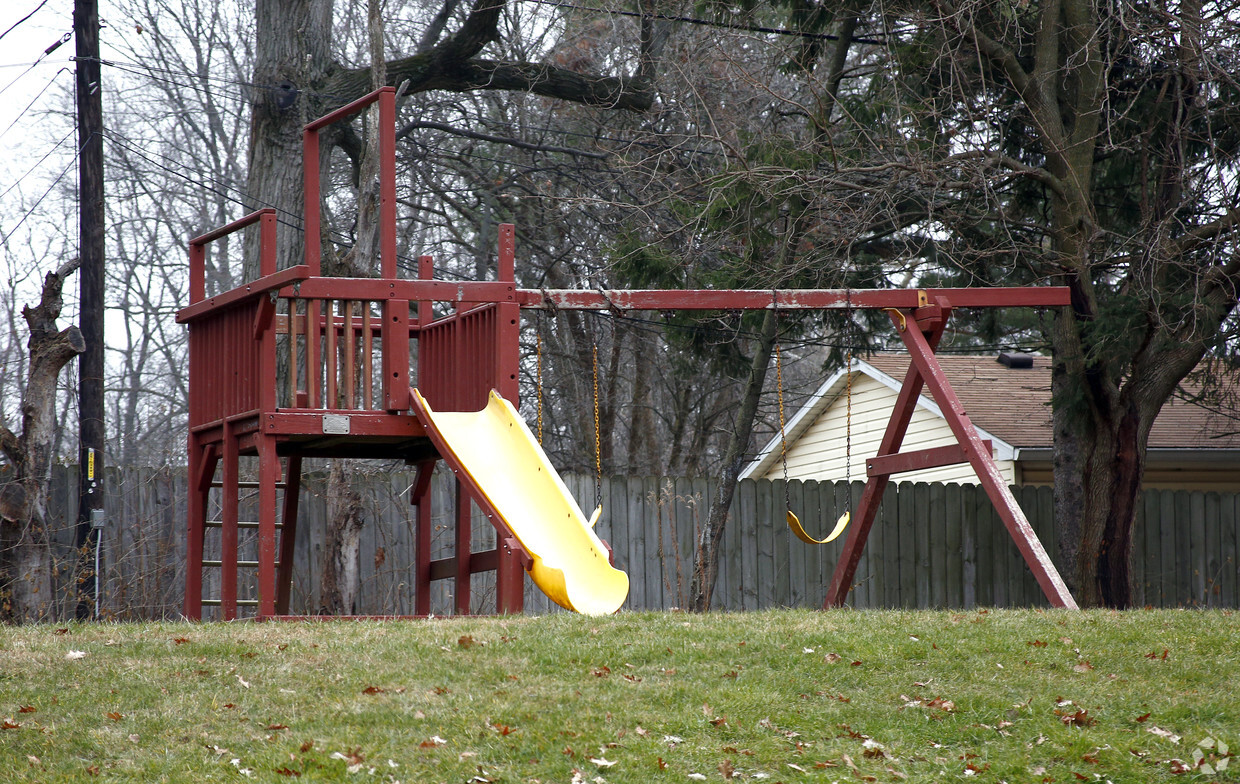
[{"x": 501, "y": 457}]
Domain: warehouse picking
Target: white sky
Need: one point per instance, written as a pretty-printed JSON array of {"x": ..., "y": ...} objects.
[{"x": 29, "y": 133}]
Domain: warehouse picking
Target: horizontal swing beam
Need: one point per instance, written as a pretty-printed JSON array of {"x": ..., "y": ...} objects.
[{"x": 789, "y": 299}]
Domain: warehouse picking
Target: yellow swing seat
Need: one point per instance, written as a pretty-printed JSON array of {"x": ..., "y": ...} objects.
[{"x": 799, "y": 531}]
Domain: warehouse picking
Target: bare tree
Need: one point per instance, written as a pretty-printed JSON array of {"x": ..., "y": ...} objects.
[{"x": 25, "y": 544}]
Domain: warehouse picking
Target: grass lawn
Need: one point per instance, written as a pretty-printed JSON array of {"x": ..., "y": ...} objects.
[{"x": 1016, "y": 696}]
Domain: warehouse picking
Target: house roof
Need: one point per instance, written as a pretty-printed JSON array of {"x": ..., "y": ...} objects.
[{"x": 1013, "y": 405}]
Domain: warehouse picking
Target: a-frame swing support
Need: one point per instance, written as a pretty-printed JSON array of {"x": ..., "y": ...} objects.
[{"x": 920, "y": 317}]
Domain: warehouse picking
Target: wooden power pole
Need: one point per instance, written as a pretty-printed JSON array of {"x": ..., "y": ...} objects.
[{"x": 91, "y": 235}]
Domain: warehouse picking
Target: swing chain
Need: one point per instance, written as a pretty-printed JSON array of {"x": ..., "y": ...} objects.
[
  {"x": 850, "y": 335},
  {"x": 783, "y": 438},
  {"x": 539, "y": 382},
  {"x": 598, "y": 451}
]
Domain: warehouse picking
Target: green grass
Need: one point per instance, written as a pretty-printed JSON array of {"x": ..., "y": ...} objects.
[{"x": 777, "y": 696}]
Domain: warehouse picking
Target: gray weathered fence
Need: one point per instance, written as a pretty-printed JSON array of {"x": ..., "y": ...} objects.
[{"x": 932, "y": 545}]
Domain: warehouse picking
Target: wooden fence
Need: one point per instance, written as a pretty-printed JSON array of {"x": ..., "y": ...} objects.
[{"x": 932, "y": 545}]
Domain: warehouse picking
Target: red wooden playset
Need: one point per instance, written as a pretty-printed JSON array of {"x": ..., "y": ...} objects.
[{"x": 296, "y": 365}]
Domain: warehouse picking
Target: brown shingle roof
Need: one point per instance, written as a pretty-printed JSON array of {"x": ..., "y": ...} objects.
[{"x": 1014, "y": 404}]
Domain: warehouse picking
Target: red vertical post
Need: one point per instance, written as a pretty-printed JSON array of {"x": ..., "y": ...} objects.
[
  {"x": 197, "y": 273},
  {"x": 268, "y": 477},
  {"x": 267, "y": 243},
  {"x": 395, "y": 327},
  {"x": 421, "y": 497},
  {"x": 983, "y": 463},
  {"x": 201, "y": 468},
  {"x": 464, "y": 522},
  {"x": 394, "y": 332},
  {"x": 509, "y": 574},
  {"x": 387, "y": 181},
  {"x": 310, "y": 191},
  {"x": 228, "y": 526},
  {"x": 288, "y": 534},
  {"x": 871, "y": 497}
]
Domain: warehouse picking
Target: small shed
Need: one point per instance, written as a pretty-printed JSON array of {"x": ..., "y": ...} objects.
[{"x": 1192, "y": 447}]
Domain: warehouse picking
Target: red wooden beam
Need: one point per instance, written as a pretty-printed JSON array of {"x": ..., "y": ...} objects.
[
  {"x": 872, "y": 495},
  {"x": 789, "y": 299},
  {"x": 919, "y": 460},
  {"x": 928, "y": 368},
  {"x": 279, "y": 280}
]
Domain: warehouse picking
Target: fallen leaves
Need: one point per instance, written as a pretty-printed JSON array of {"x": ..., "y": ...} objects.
[
  {"x": 115, "y": 715},
  {"x": 75, "y": 655},
  {"x": 1073, "y": 718},
  {"x": 1079, "y": 718},
  {"x": 372, "y": 690},
  {"x": 936, "y": 703},
  {"x": 1160, "y": 732}
]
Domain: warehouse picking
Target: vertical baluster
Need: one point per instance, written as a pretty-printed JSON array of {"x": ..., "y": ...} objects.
[
  {"x": 292, "y": 352},
  {"x": 329, "y": 310},
  {"x": 368, "y": 368},
  {"x": 349, "y": 374}
]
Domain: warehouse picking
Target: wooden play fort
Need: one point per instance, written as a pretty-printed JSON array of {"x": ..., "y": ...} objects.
[{"x": 295, "y": 365}]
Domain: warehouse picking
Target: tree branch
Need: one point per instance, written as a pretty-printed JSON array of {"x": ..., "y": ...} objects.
[
  {"x": 451, "y": 66},
  {"x": 1044, "y": 114},
  {"x": 11, "y": 446},
  {"x": 1199, "y": 235},
  {"x": 486, "y": 137}
]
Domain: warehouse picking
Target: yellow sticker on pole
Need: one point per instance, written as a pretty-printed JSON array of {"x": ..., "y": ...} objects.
[{"x": 90, "y": 463}]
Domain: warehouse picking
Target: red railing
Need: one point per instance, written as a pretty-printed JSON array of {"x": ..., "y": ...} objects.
[{"x": 231, "y": 350}]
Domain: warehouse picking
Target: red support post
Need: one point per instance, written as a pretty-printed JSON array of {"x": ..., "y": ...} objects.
[
  {"x": 509, "y": 572},
  {"x": 228, "y": 526},
  {"x": 288, "y": 534},
  {"x": 202, "y": 460},
  {"x": 268, "y": 477},
  {"x": 420, "y": 495},
  {"x": 872, "y": 495},
  {"x": 979, "y": 456},
  {"x": 464, "y": 521}
]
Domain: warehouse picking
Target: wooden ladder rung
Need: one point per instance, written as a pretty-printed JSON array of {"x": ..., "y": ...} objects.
[
  {"x": 240, "y": 524},
  {"x": 240, "y": 602},
  {"x": 247, "y": 485}
]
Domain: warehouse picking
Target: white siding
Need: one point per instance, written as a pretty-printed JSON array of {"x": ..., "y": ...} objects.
[{"x": 820, "y": 451}]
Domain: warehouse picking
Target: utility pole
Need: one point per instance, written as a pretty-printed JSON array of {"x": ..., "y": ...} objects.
[{"x": 91, "y": 236}]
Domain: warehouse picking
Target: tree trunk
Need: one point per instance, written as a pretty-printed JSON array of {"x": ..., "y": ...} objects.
[
  {"x": 341, "y": 560},
  {"x": 291, "y": 66},
  {"x": 25, "y": 543},
  {"x": 706, "y": 555}
]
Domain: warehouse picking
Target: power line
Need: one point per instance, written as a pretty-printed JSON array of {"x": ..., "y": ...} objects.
[
  {"x": 39, "y": 163},
  {"x": 22, "y": 114},
  {"x": 708, "y": 23},
  {"x": 65, "y": 171},
  {"x": 23, "y": 19},
  {"x": 59, "y": 42}
]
